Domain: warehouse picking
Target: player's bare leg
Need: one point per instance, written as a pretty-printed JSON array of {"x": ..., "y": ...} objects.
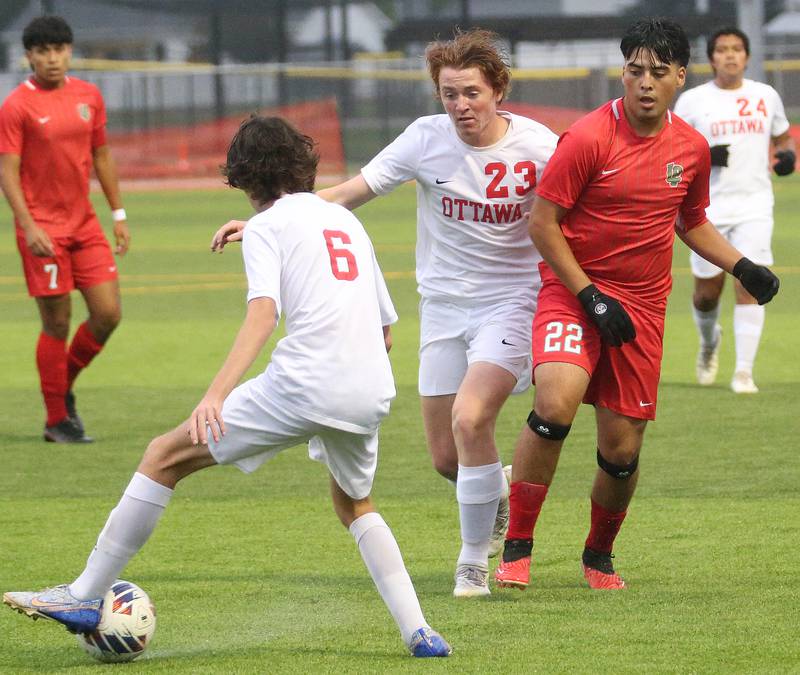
[
  {"x": 748, "y": 324},
  {"x": 705, "y": 310},
  {"x": 168, "y": 459},
  {"x": 105, "y": 312},
  {"x": 384, "y": 561},
  {"x": 481, "y": 482},
  {"x": 559, "y": 390},
  {"x": 52, "y": 362},
  {"x": 437, "y": 416},
  {"x": 619, "y": 441}
]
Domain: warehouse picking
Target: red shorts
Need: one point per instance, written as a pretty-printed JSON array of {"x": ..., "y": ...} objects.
[
  {"x": 623, "y": 379},
  {"x": 82, "y": 259}
]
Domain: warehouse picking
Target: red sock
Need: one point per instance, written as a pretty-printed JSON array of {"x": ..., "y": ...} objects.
[
  {"x": 51, "y": 359},
  {"x": 83, "y": 349},
  {"x": 604, "y": 529},
  {"x": 526, "y": 501}
]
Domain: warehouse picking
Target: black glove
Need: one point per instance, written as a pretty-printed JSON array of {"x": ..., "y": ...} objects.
[
  {"x": 757, "y": 280},
  {"x": 785, "y": 164},
  {"x": 719, "y": 155},
  {"x": 610, "y": 316}
]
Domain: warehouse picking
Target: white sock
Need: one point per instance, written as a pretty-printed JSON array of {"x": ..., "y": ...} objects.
[
  {"x": 748, "y": 322},
  {"x": 383, "y": 559},
  {"x": 127, "y": 529},
  {"x": 478, "y": 491},
  {"x": 706, "y": 323}
]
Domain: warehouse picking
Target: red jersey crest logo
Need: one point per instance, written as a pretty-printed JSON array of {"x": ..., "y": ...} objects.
[
  {"x": 84, "y": 112},
  {"x": 674, "y": 174}
]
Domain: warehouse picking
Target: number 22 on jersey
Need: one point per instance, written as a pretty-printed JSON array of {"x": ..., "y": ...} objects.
[{"x": 343, "y": 262}]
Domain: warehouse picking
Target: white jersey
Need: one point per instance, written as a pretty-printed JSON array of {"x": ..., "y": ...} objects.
[
  {"x": 472, "y": 204},
  {"x": 746, "y": 119},
  {"x": 316, "y": 262}
]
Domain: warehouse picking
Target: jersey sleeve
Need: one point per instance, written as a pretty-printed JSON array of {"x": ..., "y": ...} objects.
[
  {"x": 262, "y": 264},
  {"x": 11, "y": 129},
  {"x": 388, "y": 313},
  {"x": 396, "y": 164},
  {"x": 780, "y": 124},
  {"x": 569, "y": 170},
  {"x": 99, "y": 129},
  {"x": 696, "y": 201}
]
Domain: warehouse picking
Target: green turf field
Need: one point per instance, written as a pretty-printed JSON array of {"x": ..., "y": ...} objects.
[{"x": 254, "y": 574}]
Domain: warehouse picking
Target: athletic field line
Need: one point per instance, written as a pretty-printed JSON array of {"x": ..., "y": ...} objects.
[{"x": 186, "y": 283}]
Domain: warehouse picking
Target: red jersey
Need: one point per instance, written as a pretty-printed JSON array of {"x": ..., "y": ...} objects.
[
  {"x": 624, "y": 194},
  {"x": 54, "y": 131}
]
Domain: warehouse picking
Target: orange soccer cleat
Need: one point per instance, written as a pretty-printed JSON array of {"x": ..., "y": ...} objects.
[
  {"x": 599, "y": 571},
  {"x": 514, "y": 574}
]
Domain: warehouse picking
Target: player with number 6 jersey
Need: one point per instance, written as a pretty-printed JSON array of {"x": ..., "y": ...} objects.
[{"x": 328, "y": 384}]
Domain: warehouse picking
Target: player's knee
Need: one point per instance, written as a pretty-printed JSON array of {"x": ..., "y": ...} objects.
[
  {"x": 551, "y": 431},
  {"x": 104, "y": 323},
  {"x": 622, "y": 468},
  {"x": 705, "y": 302},
  {"x": 469, "y": 422},
  {"x": 57, "y": 325}
]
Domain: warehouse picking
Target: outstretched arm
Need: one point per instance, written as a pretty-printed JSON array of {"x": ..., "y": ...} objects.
[
  {"x": 351, "y": 194},
  {"x": 254, "y": 333},
  {"x": 707, "y": 242},
  {"x": 106, "y": 171}
]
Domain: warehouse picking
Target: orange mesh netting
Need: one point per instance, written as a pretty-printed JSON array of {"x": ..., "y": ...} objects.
[{"x": 198, "y": 150}]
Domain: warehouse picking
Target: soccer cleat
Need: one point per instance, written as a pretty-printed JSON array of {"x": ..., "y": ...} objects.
[
  {"x": 514, "y": 574},
  {"x": 599, "y": 571},
  {"x": 79, "y": 616},
  {"x": 501, "y": 519},
  {"x": 471, "y": 581},
  {"x": 708, "y": 360},
  {"x": 426, "y": 642},
  {"x": 66, "y": 431},
  {"x": 72, "y": 411},
  {"x": 742, "y": 383}
]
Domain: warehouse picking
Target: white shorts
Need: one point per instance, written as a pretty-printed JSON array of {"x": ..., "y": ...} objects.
[
  {"x": 752, "y": 238},
  {"x": 257, "y": 429},
  {"x": 454, "y": 336}
]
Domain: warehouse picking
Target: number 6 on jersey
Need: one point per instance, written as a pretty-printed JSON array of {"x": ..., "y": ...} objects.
[{"x": 343, "y": 262}]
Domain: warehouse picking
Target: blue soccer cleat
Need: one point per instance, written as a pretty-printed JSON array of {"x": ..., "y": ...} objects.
[
  {"x": 79, "y": 616},
  {"x": 426, "y": 642}
]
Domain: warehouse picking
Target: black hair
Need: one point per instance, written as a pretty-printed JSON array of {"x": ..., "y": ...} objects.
[
  {"x": 46, "y": 30},
  {"x": 726, "y": 30},
  {"x": 663, "y": 37},
  {"x": 268, "y": 157}
]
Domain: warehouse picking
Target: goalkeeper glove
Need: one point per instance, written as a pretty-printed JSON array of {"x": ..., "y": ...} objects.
[
  {"x": 757, "y": 280},
  {"x": 785, "y": 164},
  {"x": 608, "y": 314},
  {"x": 719, "y": 155}
]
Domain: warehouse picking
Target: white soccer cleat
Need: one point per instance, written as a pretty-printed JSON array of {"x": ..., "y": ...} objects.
[
  {"x": 500, "y": 528},
  {"x": 742, "y": 383},
  {"x": 708, "y": 360},
  {"x": 471, "y": 581}
]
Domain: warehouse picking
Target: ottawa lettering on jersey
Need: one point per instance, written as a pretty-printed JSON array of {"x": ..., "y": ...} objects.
[
  {"x": 465, "y": 209},
  {"x": 749, "y": 126}
]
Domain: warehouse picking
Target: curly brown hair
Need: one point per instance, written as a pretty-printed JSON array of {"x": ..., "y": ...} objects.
[
  {"x": 475, "y": 48},
  {"x": 268, "y": 157}
]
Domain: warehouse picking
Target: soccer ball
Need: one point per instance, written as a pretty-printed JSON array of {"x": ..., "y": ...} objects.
[{"x": 127, "y": 624}]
